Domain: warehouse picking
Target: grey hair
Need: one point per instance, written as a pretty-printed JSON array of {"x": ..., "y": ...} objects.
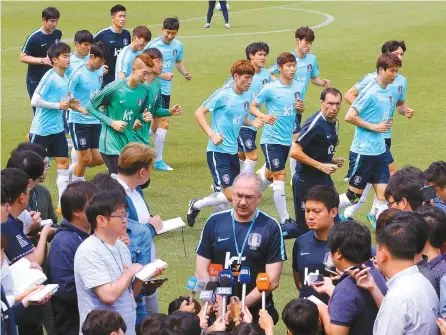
[{"x": 249, "y": 176}]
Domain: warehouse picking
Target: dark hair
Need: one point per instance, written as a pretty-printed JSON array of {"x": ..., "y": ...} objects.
[
  {"x": 301, "y": 317},
  {"x": 103, "y": 203},
  {"x": 153, "y": 324},
  {"x": 4, "y": 197},
  {"x": 176, "y": 304},
  {"x": 105, "y": 183},
  {"x": 256, "y": 47},
  {"x": 14, "y": 183},
  {"x": 50, "y": 13},
  {"x": 154, "y": 53},
  {"x": 171, "y": 23},
  {"x": 352, "y": 239},
  {"x": 385, "y": 217},
  {"x": 182, "y": 323},
  {"x": 391, "y": 46},
  {"x": 245, "y": 328},
  {"x": 436, "y": 173},
  {"x": 99, "y": 49},
  {"x": 332, "y": 91},
  {"x": 218, "y": 332},
  {"x": 117, "y": 8},
  {"x": 388, "y": 60},
  {"x": 417, "y": 221},
  {"x": 83, "y": 36},
  {"x": 142, "y": 31},
  {"x": 285, "y": 57},
  {"x": 75, "y": 198},
  {"x": 407, "y": 183},
  {"x": 325, "y": 194},
  {"x": 103, "y": 322},
  {"x": 435, "y": 219},
  {"x": 29, "y": 162},
  {"x": 37, "y": 148},
  {"x": 400, "y": 237},
  {"x": 305, "y": 33},
  {"x": 58, "y": 49}
]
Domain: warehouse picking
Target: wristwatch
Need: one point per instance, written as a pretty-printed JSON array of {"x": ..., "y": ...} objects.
[{"x": 41, "y": 61}]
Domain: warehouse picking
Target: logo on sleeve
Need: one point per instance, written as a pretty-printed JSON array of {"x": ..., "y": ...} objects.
[
  {"x": 246, "y": 105},
  {"x": 175, "y": 52},
  {"x": 21, "y": 241},
  {"x": 309, "y": 68},
  {"x": 254, "y": 241},
  {"x": 101, "y": 79},
  {"x": 400, "y": 89},
  {"x": 391, "y": 100},
  {"x": 56, "y": 41}
]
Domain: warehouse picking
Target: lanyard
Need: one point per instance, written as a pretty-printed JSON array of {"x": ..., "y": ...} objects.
[{"x": 240, "y": 252}]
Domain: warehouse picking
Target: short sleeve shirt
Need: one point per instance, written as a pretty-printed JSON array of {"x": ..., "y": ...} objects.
[{"x": 18, "y": 244}]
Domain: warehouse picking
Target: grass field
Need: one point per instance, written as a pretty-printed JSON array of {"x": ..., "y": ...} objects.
[{"x": 346, "y": 49}]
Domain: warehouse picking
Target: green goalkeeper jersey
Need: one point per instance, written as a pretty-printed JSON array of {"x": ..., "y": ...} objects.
[
  {"x": 121, "y": 103},
  {"x": 142, "y": 135}
]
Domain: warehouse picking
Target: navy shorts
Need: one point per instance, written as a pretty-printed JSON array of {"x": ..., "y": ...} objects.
[
  {"x": 56, "y": 145},
  {"x": 389, "y": 156},
  {"x": 85, "y": 136},
  {"x": 276, "y": 156},
  {"x": 364, "y": 169},
  {"x": 297, "y": 127},
  {"x": 247, "y": 140},
  {"x": 165, "y": 101},
  {"x": 224, "y": 168}
]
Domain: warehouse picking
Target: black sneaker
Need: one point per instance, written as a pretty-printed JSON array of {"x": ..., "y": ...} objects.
[{"x": 192, "y": 212}]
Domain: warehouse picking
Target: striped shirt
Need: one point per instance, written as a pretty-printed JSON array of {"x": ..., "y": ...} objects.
[{"x": 97, "y": 263}]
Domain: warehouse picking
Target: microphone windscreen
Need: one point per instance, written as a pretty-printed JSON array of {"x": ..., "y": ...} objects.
[
  {"x": 263, "y": 282},
  {"x": 212, "y": 285}
]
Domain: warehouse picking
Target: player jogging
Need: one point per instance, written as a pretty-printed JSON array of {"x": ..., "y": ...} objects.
[{"x": 83, "y": 40}]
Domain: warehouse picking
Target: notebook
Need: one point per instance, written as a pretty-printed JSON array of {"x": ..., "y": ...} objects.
[
  {"x": 44, "y": 292},
  {"x": 23, "y": 276},
  {"x": 172, "y": 224},
  {"x": 149, "y": 270}
]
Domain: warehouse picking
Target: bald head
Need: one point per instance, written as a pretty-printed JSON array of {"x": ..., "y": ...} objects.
[{"x": 248, "y": 178}]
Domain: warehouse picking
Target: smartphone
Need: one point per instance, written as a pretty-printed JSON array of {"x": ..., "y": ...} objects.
[
  {"x": 315, "y": 278},
  {"x": 332, "y": 272},
  {"x": 428, "y": 193}
]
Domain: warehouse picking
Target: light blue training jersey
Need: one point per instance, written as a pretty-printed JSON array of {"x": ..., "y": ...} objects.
[
  {"x": 125, "y": 60},
  {"x": 75, "y": 62},
  {"x": 398, "y": 87},
  {"x": 172, "y": 53},
  {"x": 374, "y": 104},
  {"x": 83, "y": 85},
  {"x": 258, "y": 81},
  {"x": 306, "y": 68},
  {"x": 229, "y": 110},
  {"x": 52, "y": 88},
  {"x": 279, "y": 100}
]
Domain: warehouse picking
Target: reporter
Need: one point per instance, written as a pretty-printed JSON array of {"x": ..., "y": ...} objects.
[
  {"x": 104, "y": 322},
  {"x": 182, "y": 323},
  {"x": 153, "y": 324},
  {"x": 301, "y": 316}
]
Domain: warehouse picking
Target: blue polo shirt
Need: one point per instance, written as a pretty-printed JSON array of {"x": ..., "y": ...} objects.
[
  {"x": 354, "y": 307},
  {"x": 18, "y": 244}
]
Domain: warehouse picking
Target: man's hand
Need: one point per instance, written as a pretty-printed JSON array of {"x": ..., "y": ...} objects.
[
  {"x": 147, "y": 116},
  {"x": 328, "y": 168},
  {"x": 327, "y": 83},
  {"x": 64, "y": 105},
  {"x": 74, "y": 104},
  {"x": 339, "y": 161},
  {"x": 137, "y": 124},
  {"x": 216, "y": 138},
  {"x": 299, "y": 105},
  {"x": 133, "y": 269},
  {"x": 219, "y": 324},
  {"x": 47, "y": 61},
  {"x": 363, "y": 278},
  {"x": 35, "y": 265},
  {"x": 327, "y": 287},
  {"x": 176, "y": 110},
  {"x": 257, "y": 123},
  {"x": 105, "y": 69},
  {"x": 24, "y": 297},
  {"x": 381, "y": 127},
  {"x": 125, "y": 239},
  {"x": 268, "y": 119},
  {"x": 409, "y": 112},
  {"x": 166, "y": 76},
  {"x": 118, "y": 125},
  {"x": 34, "y": 225},
  {"x": 47, "y": 231},
  {"x": 266, "y": 321},
  {"x": 187, "y": 76},
  {"x": 156, "y": 223},
  {"x": 236, "y": 310},
  {"x": 247, "y": 316},
  {"x": 441, "y": 323},
  {"x": 187, "y": 307}
]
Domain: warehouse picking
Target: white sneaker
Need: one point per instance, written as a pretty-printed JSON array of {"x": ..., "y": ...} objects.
[
  {"x": 227, "y": 26},
  {"x": 207, "y": 25}
]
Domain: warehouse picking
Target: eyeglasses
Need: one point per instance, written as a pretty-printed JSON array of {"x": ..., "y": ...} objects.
[
  {"x": 392, "y": 202},
  {"x": 123, "y": 217},
  {"x": 248, "y": 198}
]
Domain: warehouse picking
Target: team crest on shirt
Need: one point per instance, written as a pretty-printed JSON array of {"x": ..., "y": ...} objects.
[
  {"x": 155, "y": 97},
  {"x": 264, "y": 81},
  {"x": 175, "y": 52},
  {"x": 225, "y": 178},
  {"x": 254, "y": 241},
  {"x": 125, "y": 41},
  {"x": 139, "y": 102},
  {"x": 357, "y": 180},
  {"x": 246, "y": 105},
  {"x": 391, "y": 100},
  {"x": 309, "y": 68},
  {"x": 400, "y": 89},
  {"x": 331, "y": 149},
  {"x": 275, "y": 162},
  {"x": 56, "y": 41},
  {"x": 101, "y": 79},
  {"x": 82, "y": 141},
  {"x": 297, "y": 95}
]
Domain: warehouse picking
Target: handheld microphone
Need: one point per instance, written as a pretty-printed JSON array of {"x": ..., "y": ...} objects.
[
  {"x": 263, "y": 284},
  {"x": 194, "y": 285},
  {"x": 207, "y": 296},
  {"x": 244, "y": 278},
  {"x": 214, "y": 272},
  {"x": 225, "y": 287}
]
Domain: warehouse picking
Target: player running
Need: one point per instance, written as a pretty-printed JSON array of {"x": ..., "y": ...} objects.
[
  {"x": 371, "y": 114},
  {"x": 124, "y": 101},
  {"x": 399, "y": 88},
  {"x": 172, "y": 50},
  {"x": 229, "y": 106},
  {"x": 83, "y": 40},
  {"x": 283, "y": 101}
]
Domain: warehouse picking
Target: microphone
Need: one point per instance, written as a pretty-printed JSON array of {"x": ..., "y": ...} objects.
[
  {"x": 263, "y": 284},
  {"x": 214, "y": 272},
  {"x": 244, "y": 278},
  {"x": 225, "y": 288},
  {"x": 207, "y": 296},
  {"x": 194, "y": 285}
]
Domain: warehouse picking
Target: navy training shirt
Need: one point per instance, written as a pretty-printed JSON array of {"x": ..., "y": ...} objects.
[
  {"x": 264, "y": 245},
  {"x": 18, "y": 244},
  {"x": 308, "y": 257},
  {"x": 114, "y": 42},
  {"x": 318, "y": 139},
  {"x": 37, "y": 45}
]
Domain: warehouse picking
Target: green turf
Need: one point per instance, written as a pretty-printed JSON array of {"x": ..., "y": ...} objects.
[{"x": 346, "y": 49}]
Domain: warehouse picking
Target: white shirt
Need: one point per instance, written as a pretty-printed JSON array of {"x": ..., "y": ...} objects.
[
  {"x": 138, "y": 202},
  {"x": 407, "y": 306}
]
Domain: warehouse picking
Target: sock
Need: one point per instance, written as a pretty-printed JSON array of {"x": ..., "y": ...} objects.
[
  {"x": 375, "y": 201},
  {"x": 71, "y": 167},
  {"x": 217, "y": 198},
  {"x": 241, "y": 164},
  {"x": 73, "y": 156},
  {"x": 151, "y": 133},
  {"x": 279, "y": 199},
  {"x": 381, "y": 206},
  {"x": 159, "y": 143},
  {"x": 351, "y": 210},
  {"x": 249, "y": 166},
  {"x": 344, "y": 201},
  {"x": 265, "y": 182},
  {"x": 293, "y": 163},
  {"x": 63, "y": 178},
  {"x": 76, "y": 178}
]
